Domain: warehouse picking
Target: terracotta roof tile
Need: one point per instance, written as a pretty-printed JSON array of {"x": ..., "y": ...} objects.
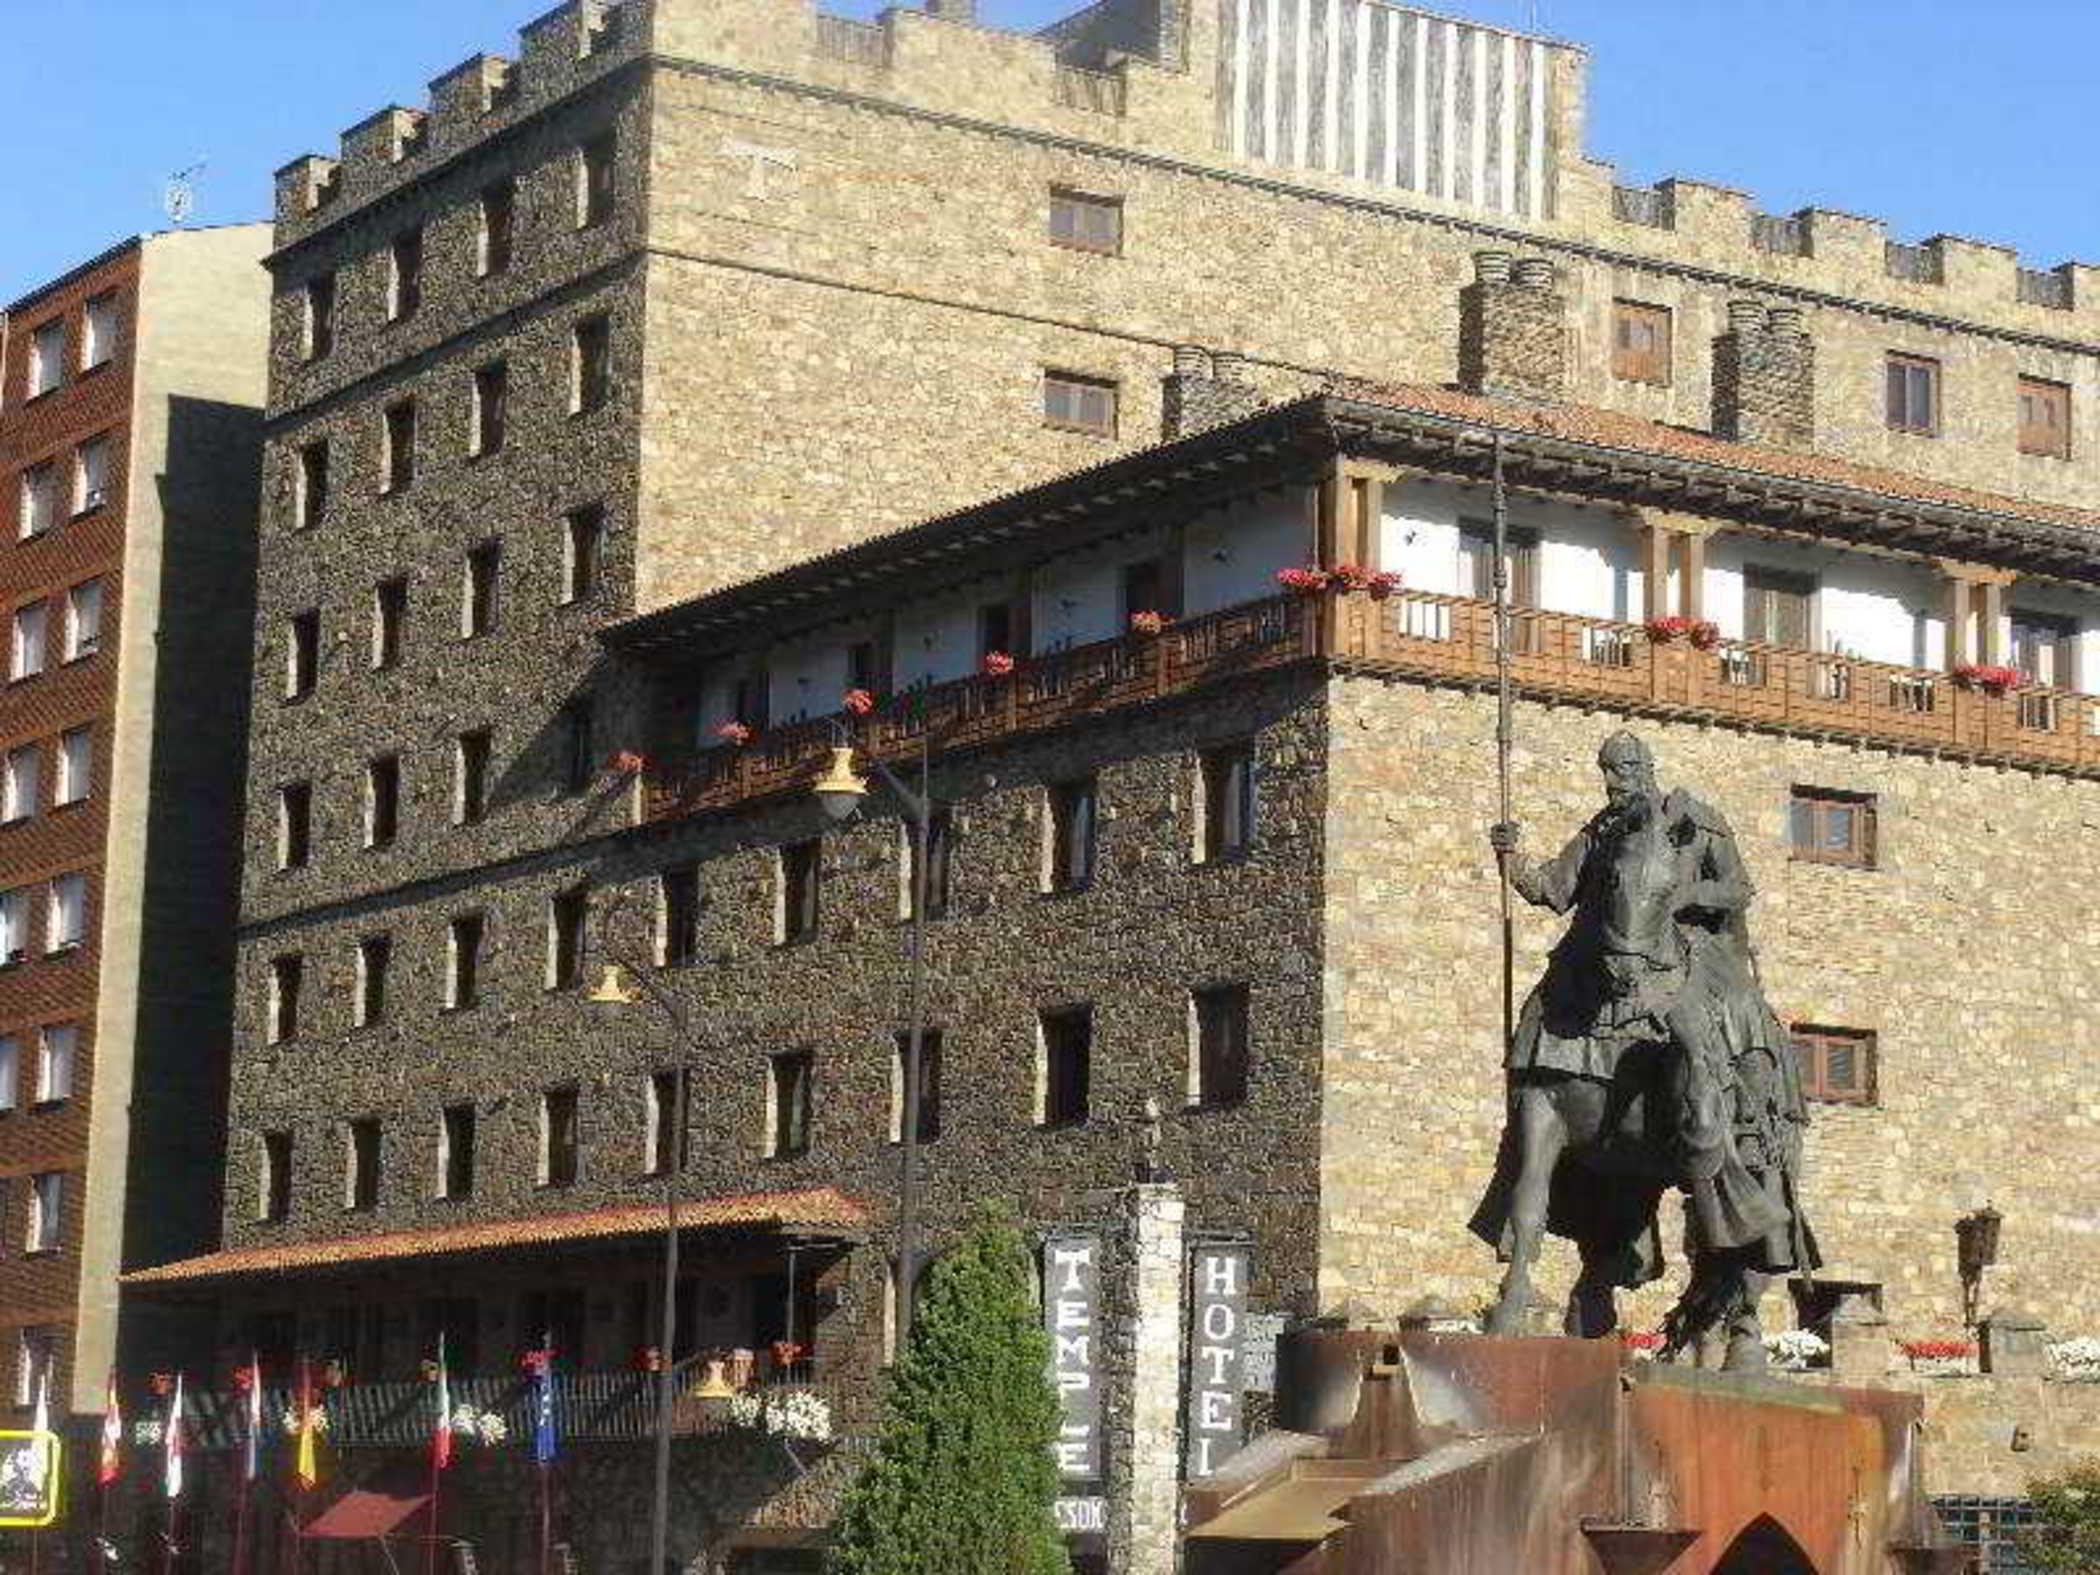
[{"x": 824, "y": 1208}]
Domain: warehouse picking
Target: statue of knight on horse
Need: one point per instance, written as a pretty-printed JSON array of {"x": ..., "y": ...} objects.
[{"x": 1647, "y": 1058}]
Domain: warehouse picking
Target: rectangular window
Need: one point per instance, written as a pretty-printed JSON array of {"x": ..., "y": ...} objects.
[
  {"x": 801, "y": 889},
  {"x": 320, "y": 316},
  {"x": 594, "y": 180},
  {"x": 311, "y": 505},
  {"x": 39, "y": 499},
  {"x": 18, "y": 795},
  {"x": 583, "y": 541},
  {"x": 47, "y": 355},
  {"x": 470, "y": 787},
  {"x": 2044, "y": 651},
  {"x": 591, "y": 374},
  {"x": 1227, "y": 801},
  {"x": 864, "y": 669},
  {"x": 491, "y": 394},
  {"x": 2045, "y": 418},
  {"x": 389, "y": 620},
  {"x": 57, "y": 1057},
  {"x": 274, "y": 1192},
  {"x": 66, "y": 916},
  {"x": 295, "y": 819},
  {"x": 463, "y": 967},
  {"x": 568, "y": 913},
  {"x": 940, "y": 841},
  {"x": 998, "y": 629},
  {"x": 455, "y": 1175},
  {"x": 1065, "y": 1049},
  {"x": 678, "y": 917},
  {"x": 83, "y": 619},
  {"x": 1838, "y": 1065},
  {"x": 1829, "y": 827},
  {"x": 91, "y": 475},
  {"x": 14, "y": 925},
  {"x": 558, "y": 1138},
  {"x": 302, "y": 653},
  {"x": 579, "y": 744},
  {"x": 788, "y": 1079},
  {"x": 404, "y": 293},
  {"x": 29, "y": 640},
  {"x": 660, "y": 1123},
  {"x": 1086, "y": 223},
  {"x": 1640, "y": 342},
  {"x": 499, "y": 205},
  {"x": 1219, "y": 1048},
  {"x": 382, "y": 801},
  {"x": 98, "y": 336},
  {"x": 477, "y": 607},
  {"x": 286, "y": 974},
  {"x": 1779, "y": 608},
  {"x": 36, "y": 1364},
  {"x": 10, "y": 1071},
  {"x": 1913, "y": 394},
  {"x": 1075, "y": 403},
  {"x": 929, "y": 1084},
  {"x": 361, "y": 1153},
  {"x": 76, "y": 765},
  {"x": 1071, "y": 840},
  {"x": 399, "y": 468},
  {"x": 1145, "y": 589},
  {"x": 47, "y": 1203},
  {"x": 374, "y": 954}
]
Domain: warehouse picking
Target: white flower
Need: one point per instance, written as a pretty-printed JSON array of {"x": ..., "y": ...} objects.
[
  {"x": 1795, "y": 1350},
  {"x": 800, "y": 1415},
  {"x": 291, "y": 1421},
  {"x": 146, "y": 1432},
  {"x": 746, "y": 1410},
  {"x": 2077, "y": 1360},
  {"x": 494, "y": 1430}
]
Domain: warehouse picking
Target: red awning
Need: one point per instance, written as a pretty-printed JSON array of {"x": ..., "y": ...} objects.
[{"x": 366, "y": 1512}]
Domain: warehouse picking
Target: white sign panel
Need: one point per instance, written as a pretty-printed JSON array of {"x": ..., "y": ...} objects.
[
  {"x": 1217, "y": 1355},
  {"x": 1072, "y": 1316}
]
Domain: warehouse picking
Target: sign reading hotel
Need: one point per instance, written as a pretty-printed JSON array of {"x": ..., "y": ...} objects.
[
  {"x": 1217, "y": 1355},
  {"x": 1072, "y": 1317},
  {"x": 29, "y": 1478}
]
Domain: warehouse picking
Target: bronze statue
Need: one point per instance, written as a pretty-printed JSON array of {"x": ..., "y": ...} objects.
[{"x": 1647, "y": 1058}]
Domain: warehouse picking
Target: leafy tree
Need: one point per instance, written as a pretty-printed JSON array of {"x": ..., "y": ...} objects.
[
  {"x": 2068, "y": 1537},
  {"x": 962, "y": 1477}
]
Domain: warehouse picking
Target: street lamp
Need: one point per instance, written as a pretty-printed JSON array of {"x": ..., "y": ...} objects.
[{"x": 842, "y": 791}]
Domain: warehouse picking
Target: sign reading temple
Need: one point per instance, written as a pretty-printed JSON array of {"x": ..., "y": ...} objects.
[{"x": 1071, "y": 1315}]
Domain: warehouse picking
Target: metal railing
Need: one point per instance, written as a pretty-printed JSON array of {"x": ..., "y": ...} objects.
[
  {"x": 1649, "y": 205},
  {"x": 1771, "y": 233},
  {"x": 1993, "y": 1527}
]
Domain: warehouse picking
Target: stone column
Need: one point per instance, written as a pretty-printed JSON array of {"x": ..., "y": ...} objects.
[
  {"x": 1672, "y": 541},
  {"x": 1975, "y": 611},
  {"x": 1144, "y": 1423}
]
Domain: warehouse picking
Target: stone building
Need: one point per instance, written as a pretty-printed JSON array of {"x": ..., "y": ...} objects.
[
  {"x": 654, "y": 381},
  {"x": 130, "y": 428}
]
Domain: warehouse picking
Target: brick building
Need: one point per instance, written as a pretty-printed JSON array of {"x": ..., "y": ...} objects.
[
  {"x": 130, "y": 424},
  {"x": 605, "y": 395}
]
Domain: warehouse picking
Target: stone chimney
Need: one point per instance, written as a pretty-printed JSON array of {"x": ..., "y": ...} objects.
[
  {"x": 1765, "y": 377},
  {"x": 953, "y": 10},
  {"x": 1513, "y": 329},
  {"x": 1205, "y": 390}
]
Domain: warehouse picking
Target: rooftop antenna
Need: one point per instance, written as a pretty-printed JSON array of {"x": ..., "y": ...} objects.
[{"x": 179, "y": 196}]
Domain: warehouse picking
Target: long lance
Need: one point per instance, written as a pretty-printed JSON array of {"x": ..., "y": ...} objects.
[{"x": 1504, "y": 740}]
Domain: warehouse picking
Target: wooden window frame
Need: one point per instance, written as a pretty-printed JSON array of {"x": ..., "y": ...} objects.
[
  {"x": 1905, "y": 361},
  {"x": 1863, "y": 851},
  {"x": 1070, "y": 197},
  {"x": 2044, "y": 442},
  {"x": 1629, "y": 365},
  {"x": 1818, "y": 1040},
  {"x": 1055, "y": 377}
]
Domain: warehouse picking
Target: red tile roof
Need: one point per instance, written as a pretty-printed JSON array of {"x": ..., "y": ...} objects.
[{"x": 809, "y": 1208}]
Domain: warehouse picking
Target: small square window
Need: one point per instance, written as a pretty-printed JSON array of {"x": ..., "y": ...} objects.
[
  {"x": 558, "y": 1138},
  {"x": 455, "y": 1159},
  {"x": 399, "y": 471},
  {"x": 14, "y": 925},
  {"x": 1838, "y": 1065},
  {"x": 39, "y": 499},
  {"x": 76, "y": 765},
  {"x": 499, "y": 204},
  {"x": 1076, "y": 403},
  {"x": 568, "y": 913},
  {"x": 491, "y": 395},
  {"x": 1219, "y": 1049},
  {"x": 65, "y": 921},
  {"x": 477, "y": 611},
  {"x": 320, "y": 317},
  {"x": 389, "y": 620},
  {"x": 1825, "y": 826},
  {"x": 91, "y": 475},
  {"x": 404, "y": 276},
  {"x": 286, "y": 975},
  {"x": 470, "y": 790},
  {"x": 83, "y": 620},
  {"x": 45, "y": 1226},
  {"x": 2045, "y": 418},
  {"x": 583, "y": 541},
  {"x": 295, "y": 818},
  {"x": 375, "y": 954},
  {"x": 591, "y": 376},
  {"x": 463, "y": 964},
  {"x": 98, "y": 338},
  {"x": 801, "y": 887},
  {"x": 1086, "y": 223},
  {"x": 1913, "y": 394},
  {"x": 1070, "y": 844},
  {"x": 1064, "y": 1050},
  {"x": 1640, "y": 342},
  {"x": 274, "y": 1191},
  {"x": 929, "y": 1084},
  {"x": 57, "y": 1057},
  {"x": 47, "y": 356},
  {"x": 310, "y": 507},
  {"x": 594, "y": 180},
  {"x": 678, "y": 917},
  {"x": 788, "y": 1079},
  {"x": 20, "y": 791},
  {"x": 382, "y": 801},
  {"x": 1227, "y": 802}
]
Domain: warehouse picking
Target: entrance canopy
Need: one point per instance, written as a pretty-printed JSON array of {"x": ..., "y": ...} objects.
[{"x": 365, "y": 1513}]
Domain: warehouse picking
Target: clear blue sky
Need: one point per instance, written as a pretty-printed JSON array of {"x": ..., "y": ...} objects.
[{"x": 1968, "y": 118}]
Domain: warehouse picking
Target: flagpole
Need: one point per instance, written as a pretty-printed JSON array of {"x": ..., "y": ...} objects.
[{"x": 1504, "y": 743}]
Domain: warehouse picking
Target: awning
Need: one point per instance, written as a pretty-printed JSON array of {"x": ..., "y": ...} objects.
[{"x": 364, "y": 1513}]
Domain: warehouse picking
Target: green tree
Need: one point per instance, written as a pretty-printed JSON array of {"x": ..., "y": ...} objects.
[
  {"x": 962, "y": 1477},
  {"x": 2068, "y": 1537}
]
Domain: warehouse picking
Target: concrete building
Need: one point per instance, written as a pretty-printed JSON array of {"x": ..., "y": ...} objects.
[
  {"x": 130, "y": 430},
  {"x": 608, "y": 395}
]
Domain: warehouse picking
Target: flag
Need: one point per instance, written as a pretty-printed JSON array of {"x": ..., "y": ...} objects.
[
  {"x": 172, "y": 1441},
  {"x": 111, "y": 1464},
  {"x": 543, "y": 1444},
  {"x": 441, "y": 1439},
  {"x": 303, "y": 1460},
  {"x": 252, "y": 1456}
]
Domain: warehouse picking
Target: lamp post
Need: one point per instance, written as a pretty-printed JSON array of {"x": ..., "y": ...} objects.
[
  {"x": 1976, "y": 1249},
  {"x": 841, "y": 791}
]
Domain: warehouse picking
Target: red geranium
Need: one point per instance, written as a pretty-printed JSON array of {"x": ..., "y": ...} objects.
[
  {"x": 649, "y": 1359},
  {"x": 1147, "y": 623},
  {"x": 535, "y": 1363},
  {"x": 627, "y": 762},
  {"x": 1641, "y": 1339},
  {"x": 1990, "y": 678},
  {"x": 1936, "y": 1350},
  {"x": 246, "y": 1377},
  {"x": 858, "y": 701},
  {"x": 736, "y": 733},
  {"x": 1306, "y": 581},
  {"x": 996, "y": 664}
]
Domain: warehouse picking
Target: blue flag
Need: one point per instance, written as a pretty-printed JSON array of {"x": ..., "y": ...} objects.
[{"x": 543, "y": 1414}]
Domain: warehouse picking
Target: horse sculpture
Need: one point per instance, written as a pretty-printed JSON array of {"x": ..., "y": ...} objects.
[{"x": 1647, "y": 1058}]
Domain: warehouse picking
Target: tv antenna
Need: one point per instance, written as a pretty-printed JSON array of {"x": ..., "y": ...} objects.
[{"x": 179, "y": 196}]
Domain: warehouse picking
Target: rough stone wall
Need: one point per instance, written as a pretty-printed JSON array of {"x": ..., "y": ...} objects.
[
  {"x": 1960, "y": 952},
  {"x": 1764, "y": 381},
  {"x": 1513, "y": 334}
]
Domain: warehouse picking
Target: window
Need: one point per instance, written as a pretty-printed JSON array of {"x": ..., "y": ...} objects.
[
  {"x": 39, "y": 499},
  {"x": 399, "y": 468},
  {"x": 455, "y": 1162},
  {"x": 1145, "y": 589},
  {"x": 594, "y": 181},
  {"x": 929, "y": 1084},
  {"x": 579, "y": 731},
  {"x": 2044, "y": 649},
  {"x": 660, "y": 1123},
  {"x": 1838, "y": 1065},
  {"x": 389, "y": 620},
  {"x": 678, "y": 915},
  {"x": 940, "y": 841},
  {"x": 491, "y": 393},
  {"x": 29, "y": 640},
  {"x": 567, "y": 914},
  {"x": 10, "y": 1071},
  {"x": 295, "y": 815},
  {"x": 499, "y": 203},
  {"x": 583, "y": 542},
  {"x": 1227, "y": 828},
  {"x": 1913, "y": 394},
  {"x": 1064, "y": 1052},
  {"x": 18, "y": 795},
  {"x": 1087, "y": 224},
  {"x": 2045, "y": 418},
  {"x": 1778, "y": 608},
  {"x": 404, "y": 291},
  {"x": 1828, "y": 827},
  {"x": 463, "y": 975},
  {"x": 98, "y": 330},
  {"x": 1218, "y": 1045},
  {"x": 1640, "y": 342},
  {"x": 57, "y": 1057},
  {"x": 273, "y": 1203},
  {"x": 1073, "y": 403},
  {"x": 36, "y": 1364},
  {"x": 470, "y": 787},
  {"x": 864, "y": 669},
  {"x": 76, "y": 765},
  {"x": 320, "y": 316},
  {"x": 999, "y": 628},
  {"x": 477, "y": 607},
  {"x": 788, "y": 1080},
  {"x": 801, "y": 887},
  {"x": 66, "y": 917},
  {"x": 47, "y": 1201},
  {"x": 91, "y": 475},
  {"x": 47, "y": 353},
  {"x": 382, "y": 801},
  {"x": 285, "y": 976},
  {"x": 361, "y": 1150},
  {"x": 1071, "y": 841},
  {"x": 83, "y": 619},
  {"x": 14, "y": 926},
  {"x": 374, "y": 953},
  {"x": 310, "y": 507},
  {"x": 592, "y": 373},
  {"x": 558, "y": 1137},
  {"x": 302, "y": 657}
]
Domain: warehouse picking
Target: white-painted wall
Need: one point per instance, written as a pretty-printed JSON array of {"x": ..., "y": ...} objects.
[
  {"x": 1231, "y": 555},
  {"x": 1878, "y": 609},
  {"x": 1077, "y": 599},
  {"x": 1589, "y": 561},
  {"x": 937, "y": 641}
]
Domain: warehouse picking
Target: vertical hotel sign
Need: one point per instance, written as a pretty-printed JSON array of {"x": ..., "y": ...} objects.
[
  {"x": 1217, "y": 1356},
  {"x": 1072, "y": 1317}
]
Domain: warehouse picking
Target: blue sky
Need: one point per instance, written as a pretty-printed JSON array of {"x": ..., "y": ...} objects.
[{"x": 1969, "y": 118}]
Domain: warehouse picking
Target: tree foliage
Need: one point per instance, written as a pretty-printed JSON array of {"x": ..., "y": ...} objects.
[
  {"x": 2068, "y": 1537},
  {"x": 962, "y": 1478}
]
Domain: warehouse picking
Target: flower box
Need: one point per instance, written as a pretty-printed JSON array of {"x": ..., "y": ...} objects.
[
  {"x": 1701, "y": 634},
  {"x": 1990, "y": 678},
  {"x": 996, "y": 664},
  {"x": 735, "y": 734}
]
